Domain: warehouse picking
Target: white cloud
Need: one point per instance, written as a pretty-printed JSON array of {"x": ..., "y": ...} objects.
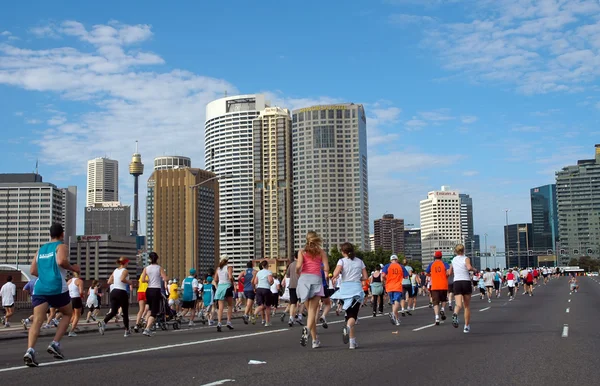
[
  {"x": 403, "y": 19},
  {"x": 18, "y": 113},
  {"x": 470, "y": 173},
  {"x": 386, "y": 115},
  {"x": 438, "y": 115},
  {"x": 33, "y": 121},
  {"x": 57, "y": 120},
  {"x": 468, "y": 119},
  {"x": 545, "y": 113},
  {"x": 5, "y": 33},
  {"x": 44, "y": 32},
  {"x": 414, "y": 124}
]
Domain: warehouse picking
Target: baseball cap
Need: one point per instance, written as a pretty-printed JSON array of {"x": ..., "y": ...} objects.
[
  {"x": 393, "y": 257},
  {"x": 174, "y": 280},
  {"x": 122, "y": 260},
  {"x": 209, "y": 279},
  {"x": 192, "y": 271},
  {"x": 437, "y": 254}
]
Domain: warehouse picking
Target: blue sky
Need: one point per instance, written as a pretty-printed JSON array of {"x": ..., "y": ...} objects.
[{"x": 488, "y": 96}]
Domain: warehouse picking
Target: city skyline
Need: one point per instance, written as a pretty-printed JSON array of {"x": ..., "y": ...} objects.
[{"x": 438, "y": 129}]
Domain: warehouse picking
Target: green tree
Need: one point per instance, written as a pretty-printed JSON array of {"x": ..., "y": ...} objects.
[
  {"x": 334, "y": 256},
  {"x": 416, "y": 265},
  {"x": 573, "y": 262}
]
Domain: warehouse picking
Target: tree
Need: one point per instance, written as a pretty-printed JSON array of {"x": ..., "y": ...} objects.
[
  {"x": 573, "y": 262},
  {"x": 416, "y": 265}
]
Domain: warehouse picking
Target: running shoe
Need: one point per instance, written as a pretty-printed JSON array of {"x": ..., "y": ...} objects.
[
  {"x": 304, "y": 337},
  {"x": 147, "y": 332},
  {"x": 262, "y": 322},
  {"x": 397, "y": 322},
  {"x": 219, "y": 329},
  {"x": 54, "y": 350},
  {"x": 253, "y": 319},
  {"x": 245, "y": 319},
  {"x": 455, "y": 320},
  {"x": 93, "y": 318},
  {"x": 489, "y": 300},
  {"x": 510, "y": 299},
  {"x": 24, "y": 323},
  {"x": 324, "y": 322},
  {"x": 430, "y": 305},
  {"x": 191, "y": 323},
  {"x": 136, "y": 329},
  {"x": 450, "y": 307},
  {"x": 101, "y": 327},
  {"x": 467, "y": 329},
  {"x": 442, "y": 314},
  {"x": 345, "y": 336},
  {"x": 282, "y": 317},
  {"x": 29, "y": 358},
  {"x": 408, "y": 312},
  {"x": 392, "y": 319},
  {"x": 266, "y": 325},
  {"x": 291, "y": 323},
  {"x": 229, "y": 325},
  {"x": 316, "y": 344},
  {"x": 403, "y": 313},
  {"x": 353, "y": 345},
  {"x": 6, "y": 325},
  {"x": 72, "y": 334},
  {"x": 437, "y": 320},
  {"x": 374, "y": 314}
]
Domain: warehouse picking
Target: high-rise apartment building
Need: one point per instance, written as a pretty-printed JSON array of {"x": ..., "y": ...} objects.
[
  {"x": 544, "y": 219},
  {"x": 329, "y": 155},
  {"x": 466, "y": 223},
  {"x": 441, "y": 226},
  {"x": 578, "y": 202},
  {"x": 273, "y": 221},
  {"x": 110, "y": 218},
  {"x": 372, "y": 242},
  {"x": 167, "y": 162},
  {"x": 389, "y": 234},
  {"x": 102, "y": 181},
  {"x": 518, "y": 244},
  {"x": 229, "y": 151},
  {"x": 185, "y": 220},
  {"x": 28, "y": 207},
  {"x": 412, "y": 244}
]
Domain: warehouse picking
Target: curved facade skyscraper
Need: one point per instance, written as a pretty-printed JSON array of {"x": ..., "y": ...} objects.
[{"x": 229, "y": 150}]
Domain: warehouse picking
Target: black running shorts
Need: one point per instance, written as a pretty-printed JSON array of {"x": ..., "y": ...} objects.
[{"x": 462, "y": 287}]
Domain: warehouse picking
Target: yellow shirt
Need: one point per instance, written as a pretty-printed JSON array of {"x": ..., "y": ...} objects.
[
  {"x": 142, "y": 287},
  {"x": 173, "y": 291}
]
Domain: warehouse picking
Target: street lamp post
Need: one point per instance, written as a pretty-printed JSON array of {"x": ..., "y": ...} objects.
[
  {"x": 195, "y": 213},
  {"x": 327, "y": 226},
  {"x": 506, "y": 236}
]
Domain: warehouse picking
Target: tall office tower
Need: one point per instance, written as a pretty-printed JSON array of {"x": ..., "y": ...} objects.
[
  {"x": 412, "y": 244},
  {"x": 102, "y": 181},
  {"x": 578, "y": 201},
  {"x": 229, "y": 152},
  {"x": 389, "y": 234},
  {"x": 518, "y": 241},
  {"x": 466, "y": 223},
  {"x": 273, "y": 233},
  {"x": 544, "y": 219},
  {"x": 166, "y": 162},
  {"x": 372, "y": 242},
  {"x": 136, "y": 169},
  {"x": 186, "y": 220},
  {"x": 331, "y": 188},
  {"x": 110, "y": 218},
  {"x": 441, "y": 227},
  {"x": 28, "y": 207}
]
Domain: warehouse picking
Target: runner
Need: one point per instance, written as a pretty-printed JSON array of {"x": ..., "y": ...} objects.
[
  {"x": 310, "y": 285},
  {"x": 263, "y": 281},
  {"x": 143, "y": 306},
  {"x": 529, "y": 280},
  {"x": 8, "y": 292},
  {"x": 92, "y": 301},
  {"x": 438, "y": 271},
  {"x": 412, "y": 296},
  {"x": 406, "y": 288},
  {"x": 377, "y": 291},
  {"x": 50, "y": 266},
  {"x": 293, "y": 276},
  {"x": 174, "y": 295},
  {"x": 28, "y": 289},
  {"x": 155, "y": 276},
  {"x": 573, "y": 285},
  {"x": 481, "y": 286},
  {"x": 190, "y": 291},
  {"x": 488, "y": 279},
  {"x": 239, "y": 293},
  {"x": 423, "y": 285},
  {"x": 275, "y": 289},
  {"x": 208, "y": 299},
  {"x": 328, "y": 290},
  {"x": 461, "y": 266},
  {"x": 352, "y": 271},
  {"x": 249, "y": 294},
  {"x": 118, "y": 296},
  {"x": 393, "y": 274},
  {"x": 224, "y": 292},
  {"x": 510, "y": 281},
  {"x": 450, "y": 290},
  {"x": 75, "y": 286},
  {"x": 497, "y": 281},
  {"x": 545, "y": 273}
]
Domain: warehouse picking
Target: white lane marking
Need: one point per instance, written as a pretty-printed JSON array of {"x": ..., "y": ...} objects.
[
  {"x": 144, "y": 350},
  {"x": 424, "y": 327},
  {"x": 221, "y": 382},
  {"x": 565, "y": 332},
  {"x": 567, "y": 310},
  {"x": 484, "y": 309}
]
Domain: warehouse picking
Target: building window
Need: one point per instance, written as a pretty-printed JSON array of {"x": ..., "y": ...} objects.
[{"x": 323, "y": 137}]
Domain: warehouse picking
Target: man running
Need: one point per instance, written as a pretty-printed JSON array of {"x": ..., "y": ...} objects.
[
  {"x": 406, "y": 289},
  {"x": 248, "y": 277},
  {"x": 293, "y": 276},
  {"x": 438, "y": 270},
  {"x": 510, "y": 281},
  {"x": 8, "y": 292},
  {"x": 488, "y": 280},
  {"x": 50, "y": 266},
  {"x": 190, "y": 293},
  {"x": 393, "y": 274}
]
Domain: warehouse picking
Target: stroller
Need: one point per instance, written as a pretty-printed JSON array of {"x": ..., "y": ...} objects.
[{"x": 167, "y": 316}]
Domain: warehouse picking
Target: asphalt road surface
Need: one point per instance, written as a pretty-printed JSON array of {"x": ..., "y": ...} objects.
[{"x": 548, "y": 339}]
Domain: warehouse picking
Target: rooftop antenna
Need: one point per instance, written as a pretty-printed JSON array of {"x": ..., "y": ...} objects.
[
  {"x": 225, "y": 93},
  {"x": 36, "y": 166}
]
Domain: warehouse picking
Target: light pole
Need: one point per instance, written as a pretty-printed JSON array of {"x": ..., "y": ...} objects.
[
  {"x": 195, "y": 213},
  {"x": 327, "y": 226},
  {"x": 506, "y": 236}
]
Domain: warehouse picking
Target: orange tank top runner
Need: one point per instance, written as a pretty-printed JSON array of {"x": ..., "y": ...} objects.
[
  {"x": 439, "y": 278},
  {"x": 394, "y": 274}
]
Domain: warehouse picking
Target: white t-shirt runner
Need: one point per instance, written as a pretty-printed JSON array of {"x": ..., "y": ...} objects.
[{"x": 8, "y": 293}]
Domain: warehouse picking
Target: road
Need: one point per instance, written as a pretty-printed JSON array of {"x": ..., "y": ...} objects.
[{"x": 520, "y": 342}]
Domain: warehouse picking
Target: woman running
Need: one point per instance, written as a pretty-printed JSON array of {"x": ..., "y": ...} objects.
[
  {"x": 461, "y": 266},
  {"x": 310, "y": 284},
  {"x": 377, "y": 291},
  {"x": 141, "y": 297},
  {"x": 263, "y": 282},
  {"x": 352, "y": 271},
  {"x": 155, "y": 276},
  {"x": 118, "y": 296},
  {"x": 92, "y": 301},
  {"x": 75, "y": 286},
  {"x": 224, "y": 292}
]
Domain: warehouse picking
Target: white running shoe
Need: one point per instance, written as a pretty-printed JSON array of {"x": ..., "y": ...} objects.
[
  {"x": 72, "y": 334},
  {"x": 353, "y": 345},
  {"x": 467, "y": 329},
  {"x": 316, "y": 344}
]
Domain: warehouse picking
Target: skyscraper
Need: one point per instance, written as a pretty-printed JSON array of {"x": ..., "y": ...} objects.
[
  {"x": 389, "y": 234},
  {"x": 466, "y": 223},
  {"x": 273, "y": 233},
  {"x": 412, "y": 244},
  {"x": 229, "y": 151},
  {"x": 102, "y": 181},
  {"x": 109, "y": 218},
  {"x": 28, "y": 207},
  {"x": 186, "y": 217},
  {"x": 166, "y": 162},
  {"x": 578, "y": 201},
  {"x": 441, "y": 227},
  {"x": 329, "y": 155},
  {"x": 518, "y": 244},
  {"x": 544, "y": 219}
]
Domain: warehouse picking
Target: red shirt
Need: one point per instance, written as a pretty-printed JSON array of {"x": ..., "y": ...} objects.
[
  {"x": 241, "y": 284},
  {"x": 510, "y": 276},
  {"x": 530, "y": 277},
  {"x": 535, "y": 273}
]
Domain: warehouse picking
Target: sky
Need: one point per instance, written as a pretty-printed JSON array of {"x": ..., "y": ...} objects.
[{"x": 489, "y": 97}]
